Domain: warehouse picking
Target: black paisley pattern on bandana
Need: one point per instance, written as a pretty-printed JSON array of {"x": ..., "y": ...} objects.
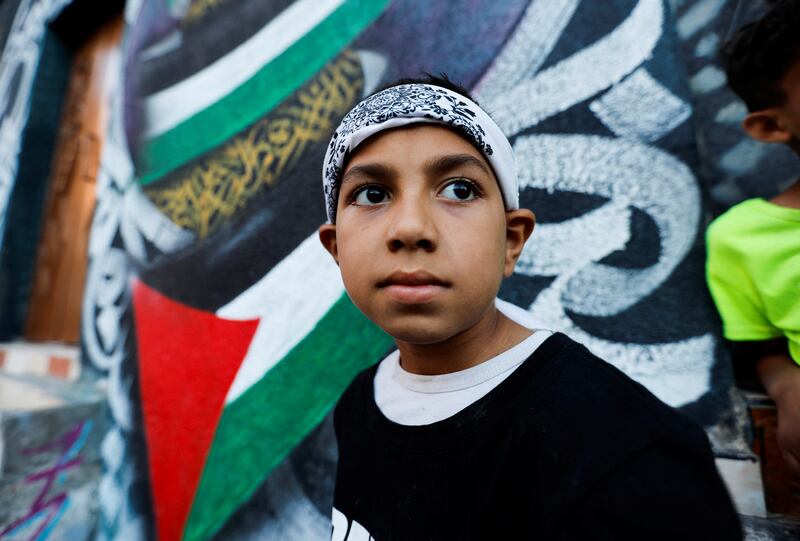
[{"x": 402, "y": 101}]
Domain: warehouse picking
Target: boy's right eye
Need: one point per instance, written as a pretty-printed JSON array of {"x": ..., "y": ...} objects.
[{"x": 371, "y": 195}]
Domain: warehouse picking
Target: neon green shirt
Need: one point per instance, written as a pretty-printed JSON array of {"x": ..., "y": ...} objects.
[{"x": 753, "y": 272}]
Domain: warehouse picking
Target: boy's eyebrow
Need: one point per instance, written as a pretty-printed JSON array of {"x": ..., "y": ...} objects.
[
  {"x": 369, "y": 170},
  {"x": 438, "y": 165},
  {"x": 442, "y": 164}
]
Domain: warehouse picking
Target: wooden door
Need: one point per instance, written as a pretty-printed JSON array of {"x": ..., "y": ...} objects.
[{"x": 57, "y": 289}]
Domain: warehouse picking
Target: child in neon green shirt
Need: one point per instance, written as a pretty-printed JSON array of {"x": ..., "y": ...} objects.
[
  {"x": 753, "y": 266},
  {"x": 754, "y": 272}
]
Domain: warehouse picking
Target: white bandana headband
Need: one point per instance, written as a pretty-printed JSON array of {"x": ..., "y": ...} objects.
[{"x": 408, "y": 104}]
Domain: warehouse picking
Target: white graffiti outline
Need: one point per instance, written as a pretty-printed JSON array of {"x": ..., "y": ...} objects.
[
  {"x": 677, "y": 372},
  {"x": 640, "y": 107},
  {"x": 537, "y": 33},
  {"x": 20, "y": 56},
  {"x": 615, "y": 169},
  {"x": 579, "y": 77},
  {"x": 123, "y": 221}
]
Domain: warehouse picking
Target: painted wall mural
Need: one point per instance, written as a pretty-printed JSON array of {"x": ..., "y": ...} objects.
[
  {"x": 733, "y": 165},
  {"x": 50, "y": 501},
  {"x": 51, "y": 463},
  {"x": 18, "y": 63},
  {"x": 221, "y": 324}
]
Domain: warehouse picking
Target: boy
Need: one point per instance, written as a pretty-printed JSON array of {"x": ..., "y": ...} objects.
[
  {"x": 479, "y": 427},
  {"x": 753, "y": 266}
]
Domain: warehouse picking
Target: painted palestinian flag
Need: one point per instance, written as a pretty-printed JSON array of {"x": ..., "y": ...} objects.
[
  {"x": 243, "y": 336},
  {"x": 235, "y": 363}
]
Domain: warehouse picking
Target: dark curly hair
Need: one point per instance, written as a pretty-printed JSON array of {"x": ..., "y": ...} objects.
[{"x": 759, "y": 55}]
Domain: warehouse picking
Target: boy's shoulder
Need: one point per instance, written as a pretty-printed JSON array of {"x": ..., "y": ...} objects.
[
  {"x": 565, "y": 391},
  {"x": 593, "y": 399},
  {"x": 731, "y": 223},
  {"x": 752, "y": 217},
  {"x": 600, "y": 428},
  {"x": 565, "y": 424},
  {"x": 751, "y": 238}
]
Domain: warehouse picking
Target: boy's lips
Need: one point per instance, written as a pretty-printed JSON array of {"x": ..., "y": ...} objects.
[{"x": 414, "y": 287}]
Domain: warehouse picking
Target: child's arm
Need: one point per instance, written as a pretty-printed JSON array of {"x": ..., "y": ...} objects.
[
  {"x": 769, "y": 361},
  {"x": 780, "y": 376}
]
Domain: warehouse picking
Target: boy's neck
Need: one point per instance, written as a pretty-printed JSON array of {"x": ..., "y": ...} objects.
[
  {"x": 790, "y": 197},
  {"x": 492, "y": 335}
]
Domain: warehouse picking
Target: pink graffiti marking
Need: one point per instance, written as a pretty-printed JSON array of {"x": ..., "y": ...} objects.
[{"x": 70, "y": 443}]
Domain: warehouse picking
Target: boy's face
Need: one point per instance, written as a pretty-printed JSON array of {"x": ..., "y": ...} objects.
[{"x": 421, "y": 236}]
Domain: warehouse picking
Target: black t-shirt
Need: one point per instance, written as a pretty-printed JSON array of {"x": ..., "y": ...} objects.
[{"x": 566, "y": 447}]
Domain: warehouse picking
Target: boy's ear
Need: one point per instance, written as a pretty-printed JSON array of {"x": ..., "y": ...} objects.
[
  {"x": 519, "y": 226},
  {"x": 327, "y": 236},
  {"x": 766, "y": 126}
]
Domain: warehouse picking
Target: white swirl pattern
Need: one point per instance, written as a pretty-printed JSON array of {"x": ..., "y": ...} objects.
[{"x": 628, "y": 173}]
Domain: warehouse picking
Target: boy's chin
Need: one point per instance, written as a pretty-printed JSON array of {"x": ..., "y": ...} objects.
[{"x": 420, "y": 335}]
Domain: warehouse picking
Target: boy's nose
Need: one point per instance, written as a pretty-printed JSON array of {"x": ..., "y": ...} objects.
[{"x": 412, "y": 227}]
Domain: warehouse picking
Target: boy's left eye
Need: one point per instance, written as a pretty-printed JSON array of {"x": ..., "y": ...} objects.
[
  {"x": 460, "y": 190},
  {"x": 370, "y": 195}
]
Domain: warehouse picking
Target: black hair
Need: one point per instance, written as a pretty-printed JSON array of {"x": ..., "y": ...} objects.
[
  {"x": 759, "y": 55},
  {"x": 440, "y": 80}
]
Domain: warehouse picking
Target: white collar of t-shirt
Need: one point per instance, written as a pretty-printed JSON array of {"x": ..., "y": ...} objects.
[{"x": 414, "y": 399}]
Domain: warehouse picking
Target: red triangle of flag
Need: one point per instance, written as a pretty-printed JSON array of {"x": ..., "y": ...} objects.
[{"x": 187, "y": 361}]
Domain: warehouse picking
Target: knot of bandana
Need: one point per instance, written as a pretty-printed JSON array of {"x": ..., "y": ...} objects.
[{"x": 407, "y": 104}]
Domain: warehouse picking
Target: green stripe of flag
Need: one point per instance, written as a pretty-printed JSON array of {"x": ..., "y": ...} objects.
[
  {"x": 260, "y": 94},
  {"x": 259, "y": 429}
]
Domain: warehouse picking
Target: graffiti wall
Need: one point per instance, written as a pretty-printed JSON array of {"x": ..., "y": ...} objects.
[
  {"x": 221, "y": 324},
  {"x": 734, "y": 166},
  {"x": 34, "y": 68},
  {"x": 20, "y": 58},
  {"x": 51, "y": 466}
]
